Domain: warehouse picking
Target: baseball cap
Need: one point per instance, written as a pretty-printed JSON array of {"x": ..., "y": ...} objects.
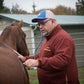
[{"x": 45, "y": 14}]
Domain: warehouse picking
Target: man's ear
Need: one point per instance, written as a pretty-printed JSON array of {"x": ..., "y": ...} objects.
[{"x": 53, "y": 20}]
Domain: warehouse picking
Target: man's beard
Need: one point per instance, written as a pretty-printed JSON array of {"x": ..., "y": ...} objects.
[{"x": 43, "y": 31}]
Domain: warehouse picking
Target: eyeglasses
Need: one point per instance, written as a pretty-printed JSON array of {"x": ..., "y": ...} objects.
[{"x": 42, "y": 23}]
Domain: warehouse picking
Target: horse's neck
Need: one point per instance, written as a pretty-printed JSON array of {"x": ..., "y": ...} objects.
[
  {"x": 12, "y": 45},
  {"x": 10, "y": 41}
]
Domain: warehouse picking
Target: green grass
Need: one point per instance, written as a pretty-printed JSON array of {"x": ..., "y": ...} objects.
[
  {"x": 33, "y": 76},
  {"x": 34, "y": 80},
  {"x": 81, "y": 75}
]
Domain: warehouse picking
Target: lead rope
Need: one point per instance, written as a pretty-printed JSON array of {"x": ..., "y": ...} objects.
[{"x": 42, "y": 37}]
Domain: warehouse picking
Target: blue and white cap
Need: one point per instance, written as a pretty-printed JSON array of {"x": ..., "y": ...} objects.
[{"x": 45, "y": 14}]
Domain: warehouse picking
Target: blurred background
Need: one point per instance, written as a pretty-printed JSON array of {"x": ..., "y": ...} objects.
[
  {"x": 59, "y": 7},
  {"x": 69, "y": 14}
]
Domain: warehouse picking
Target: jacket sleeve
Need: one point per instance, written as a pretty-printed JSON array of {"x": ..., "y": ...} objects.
[{"x": 63, "y": 54}]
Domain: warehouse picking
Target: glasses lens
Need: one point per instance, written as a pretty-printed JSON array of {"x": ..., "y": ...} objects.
[{"x": 43, "y": 22}]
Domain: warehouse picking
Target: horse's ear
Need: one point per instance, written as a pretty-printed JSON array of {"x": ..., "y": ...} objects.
[
  {"x": 20, "y": 24},
  {"x": 13, "y": 22}
]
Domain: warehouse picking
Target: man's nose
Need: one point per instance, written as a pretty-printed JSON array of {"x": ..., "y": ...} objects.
[{"x": 40, "y": 26}]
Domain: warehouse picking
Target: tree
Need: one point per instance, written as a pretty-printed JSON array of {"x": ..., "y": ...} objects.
[
  {"x": 80, "y": 7},
  {"x": 16, "y": 10},
  {"x": 1, "y": 5},
  {"x": 60, "y": 10},
  {"x": 3, "y": 9},
  {"x": 34, "y": 6},
  {"x": 6, "y": 10}
]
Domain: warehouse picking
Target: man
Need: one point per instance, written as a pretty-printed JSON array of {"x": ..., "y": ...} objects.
[{"x": 56, "y": 61}]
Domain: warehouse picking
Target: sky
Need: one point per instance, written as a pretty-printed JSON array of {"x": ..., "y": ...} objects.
[{"x": 40, "y": 4}]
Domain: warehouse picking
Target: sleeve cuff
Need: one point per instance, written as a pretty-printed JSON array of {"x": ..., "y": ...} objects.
[{"x": 26, "y": 57}]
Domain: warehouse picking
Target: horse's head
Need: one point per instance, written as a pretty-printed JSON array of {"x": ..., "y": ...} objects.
[{"x": 14, "y": 37}]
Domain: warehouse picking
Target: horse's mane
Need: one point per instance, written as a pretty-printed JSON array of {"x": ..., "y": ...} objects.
[{"x": 6, "y": 31}]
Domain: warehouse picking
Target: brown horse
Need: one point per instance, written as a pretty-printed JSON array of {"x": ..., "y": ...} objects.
[{"x": 12, "y": 70}]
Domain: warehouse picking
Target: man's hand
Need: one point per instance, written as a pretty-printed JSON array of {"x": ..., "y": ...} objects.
[
  {"x": 31, "y": 63},
  {"x": 20, "y": 56}
]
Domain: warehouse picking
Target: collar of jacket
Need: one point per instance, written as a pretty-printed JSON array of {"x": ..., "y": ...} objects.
[{"x": 55, "y": 30}]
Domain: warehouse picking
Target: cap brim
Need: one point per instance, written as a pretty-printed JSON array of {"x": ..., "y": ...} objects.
[{"x": 36, "y": 19}]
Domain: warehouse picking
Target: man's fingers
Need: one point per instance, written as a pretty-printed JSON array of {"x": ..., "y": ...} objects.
[{"x": 31, "y": 63}]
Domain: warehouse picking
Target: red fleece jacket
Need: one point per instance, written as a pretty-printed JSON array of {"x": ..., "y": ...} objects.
[{"x": 57, "y": 61}]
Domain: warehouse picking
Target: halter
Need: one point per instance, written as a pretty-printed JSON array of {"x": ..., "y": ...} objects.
[
  {"x": 21, "y": 39},
  {"x": 42, "y": 37}
]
